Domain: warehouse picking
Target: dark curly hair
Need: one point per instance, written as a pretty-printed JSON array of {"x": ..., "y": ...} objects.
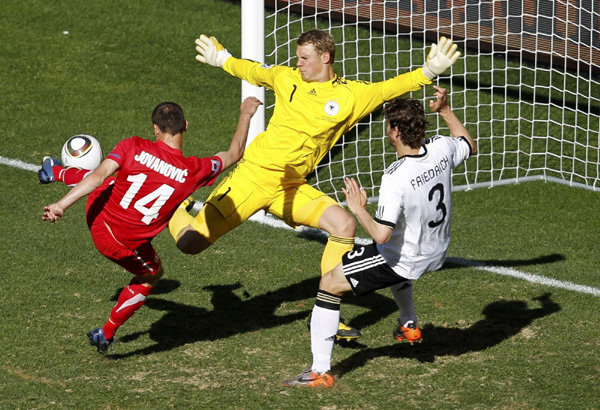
[{"x": 408, "y": 115}]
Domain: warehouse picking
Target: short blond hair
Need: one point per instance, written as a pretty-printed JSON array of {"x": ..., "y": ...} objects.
[{"x": 321, "y": 40}]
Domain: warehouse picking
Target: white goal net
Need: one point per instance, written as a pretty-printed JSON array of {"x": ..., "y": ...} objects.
[{"x": 527, "y": 86}]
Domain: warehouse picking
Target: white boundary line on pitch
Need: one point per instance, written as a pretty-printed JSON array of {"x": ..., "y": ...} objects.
[
  {"x": 266, "y": 219},
  {"x": 15, "y": 163}
]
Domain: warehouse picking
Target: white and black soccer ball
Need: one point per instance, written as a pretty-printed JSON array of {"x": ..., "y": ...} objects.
[{"x": 82, "y": 151}]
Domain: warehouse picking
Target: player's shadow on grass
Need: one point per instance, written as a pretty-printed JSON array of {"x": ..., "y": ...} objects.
[
  {"x": 453, "y": 262},
  {"x": 503, "y": 320},
  {"x": 232, "y": 314}
]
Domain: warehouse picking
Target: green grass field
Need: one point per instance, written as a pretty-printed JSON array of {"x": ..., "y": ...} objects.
[{"x": 225, "y": 327}]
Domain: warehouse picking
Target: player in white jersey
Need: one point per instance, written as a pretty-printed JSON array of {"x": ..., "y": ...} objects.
[{"x": 411, "y": 229}]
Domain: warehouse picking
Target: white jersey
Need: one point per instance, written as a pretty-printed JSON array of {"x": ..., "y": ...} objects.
[{"x": 415, "y": 201}]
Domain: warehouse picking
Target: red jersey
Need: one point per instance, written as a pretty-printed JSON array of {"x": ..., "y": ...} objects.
[{"x": 153, "y": 179}]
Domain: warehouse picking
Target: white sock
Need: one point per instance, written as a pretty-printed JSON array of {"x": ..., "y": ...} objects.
[
  {"x": 403, "y": 295},
  {"x": 323, "y": 328}
]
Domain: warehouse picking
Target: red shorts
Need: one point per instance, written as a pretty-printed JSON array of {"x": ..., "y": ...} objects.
[{"x": 140, "y": 261}]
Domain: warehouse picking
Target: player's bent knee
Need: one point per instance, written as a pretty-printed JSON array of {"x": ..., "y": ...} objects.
[
  {"x": 209, "y": 225},
  {"x": 191, "y": 242},
  {"x": 151, "y": 279},
  {"x": 347, "y": 225},
  {"x": 204, "y": 230},
  {"x": 337, "y": 221}
]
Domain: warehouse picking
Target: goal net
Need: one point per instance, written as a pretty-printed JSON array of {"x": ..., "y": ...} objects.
[{"x": 527, "y": 86}]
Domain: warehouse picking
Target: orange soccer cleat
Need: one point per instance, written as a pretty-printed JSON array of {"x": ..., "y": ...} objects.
[
  {"x": 308, "y": 378},
  {"x": 409, "y": 332}
]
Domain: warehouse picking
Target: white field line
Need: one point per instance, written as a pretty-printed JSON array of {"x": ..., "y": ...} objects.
[
  {"x": 266, "y": 219},
  {"x": 529, "y": 277},
  {"x": 15, "y": 163}
]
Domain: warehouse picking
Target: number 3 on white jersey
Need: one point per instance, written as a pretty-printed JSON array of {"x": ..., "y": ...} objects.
[{"x": 159, "y": 196}]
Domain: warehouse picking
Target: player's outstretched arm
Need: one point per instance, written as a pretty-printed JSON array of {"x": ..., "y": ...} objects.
[
  {"x": 238, "y": 142},
  {"x": 210, "y": 51},
  {"x": 440, "y": 58},
  {"x": 55, "y": 211},
  {"x": 356, "y": 198},
  {"x": 456, "y": 127}
]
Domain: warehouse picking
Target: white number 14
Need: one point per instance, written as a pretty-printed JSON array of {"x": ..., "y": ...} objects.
[{"x": 159, "y": 196}]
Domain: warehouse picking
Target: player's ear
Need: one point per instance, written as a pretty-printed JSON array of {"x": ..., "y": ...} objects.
[
  {"x": 186, "y": 126},
  {"x": 326, "y": 58},
  {"x": 156, "y": 130},
  {"x": 396, "y": 134}
]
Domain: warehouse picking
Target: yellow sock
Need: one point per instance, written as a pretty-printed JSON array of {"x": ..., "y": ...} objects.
[
  {"x": 335, "y": 248},
  {"x": 180, "y": 219}
]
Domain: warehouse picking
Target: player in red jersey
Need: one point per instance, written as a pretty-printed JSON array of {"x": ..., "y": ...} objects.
[{"x": 125, "y": 212}]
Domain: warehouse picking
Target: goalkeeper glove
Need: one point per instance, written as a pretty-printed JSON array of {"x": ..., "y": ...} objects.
[
  {"x": 440, "y": 58},
  {"x": 211, "y": 52}
]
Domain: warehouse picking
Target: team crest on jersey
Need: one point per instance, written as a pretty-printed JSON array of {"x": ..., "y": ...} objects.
[{"x": 332, "y": 108}]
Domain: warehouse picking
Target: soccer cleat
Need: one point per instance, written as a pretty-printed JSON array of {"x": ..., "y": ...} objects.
[
  {"x": 347, "y": 332},
  {"x": 344, "y": 332},
  {"x": 45, "y": 174},
  {"x": 97, "y": 339},
  {"x": 308, "y": 378},
  {"x": 409, "y": 332}
]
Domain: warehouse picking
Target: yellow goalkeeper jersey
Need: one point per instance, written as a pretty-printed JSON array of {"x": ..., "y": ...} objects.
[{"x": 310, "y": 117}]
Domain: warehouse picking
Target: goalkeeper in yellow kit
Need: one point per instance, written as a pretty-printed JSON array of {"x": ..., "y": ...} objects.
[{"x": 313, "y": 108}]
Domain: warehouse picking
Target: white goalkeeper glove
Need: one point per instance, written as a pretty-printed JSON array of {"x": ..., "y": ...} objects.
[
  {"x": 211, "y": 52},
  {"x": 440, "y": 58}
]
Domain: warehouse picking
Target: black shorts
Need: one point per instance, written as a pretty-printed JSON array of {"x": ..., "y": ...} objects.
[{"x": 366, "y": 270}]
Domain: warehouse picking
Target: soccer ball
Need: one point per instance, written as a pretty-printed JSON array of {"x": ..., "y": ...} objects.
[{"x": 82, "y": 151}]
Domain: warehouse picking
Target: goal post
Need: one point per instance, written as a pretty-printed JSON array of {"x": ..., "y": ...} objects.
[
  {"x": 527, "y": 86},
  {"x": 253, "y": 48}
]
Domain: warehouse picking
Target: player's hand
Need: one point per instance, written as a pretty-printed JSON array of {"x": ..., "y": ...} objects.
[
  {"x": 211, "y": 52},
  {"x": 440, "y": 58},
  {"x": 249, "y": 106},
  {"x": 52, "y": 213},
  {"x": 441, "y": 100},
  {"x": 356, "y": 197}
]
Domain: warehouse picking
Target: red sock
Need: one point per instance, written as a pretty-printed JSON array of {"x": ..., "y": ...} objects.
[
  {"x": 56, "y": 171},
  {"x": 130, "y": 300},
  {"x": 70, "y": 176}
]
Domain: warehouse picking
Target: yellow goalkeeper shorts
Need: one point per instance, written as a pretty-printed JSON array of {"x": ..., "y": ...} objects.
[{"x": 250, "y": 188}]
